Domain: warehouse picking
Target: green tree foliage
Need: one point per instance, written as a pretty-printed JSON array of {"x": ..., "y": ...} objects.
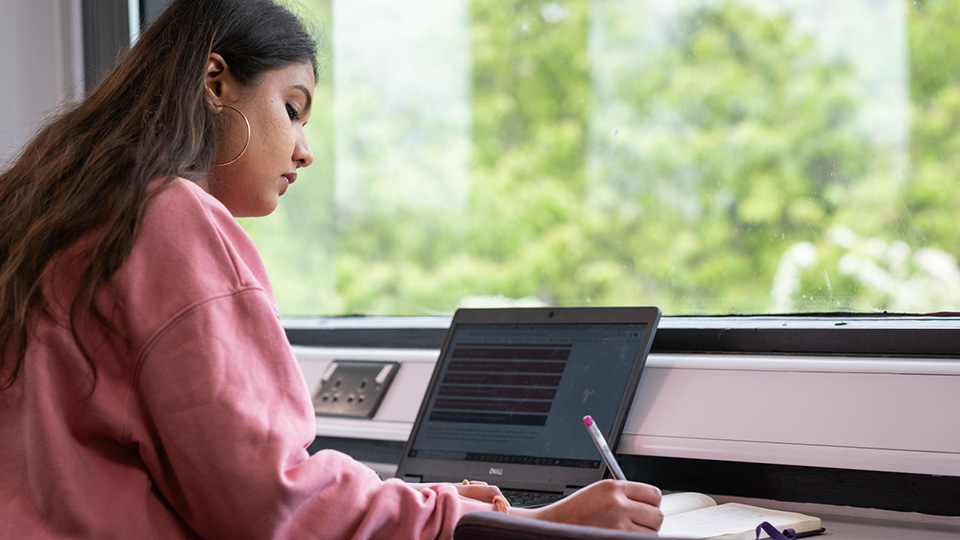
[
  {"x": 731, "y": 144},
  {"x": 932, "y": 197},
  {"x": 892, "y": 245},
  {"x": 714, "y": 164}
]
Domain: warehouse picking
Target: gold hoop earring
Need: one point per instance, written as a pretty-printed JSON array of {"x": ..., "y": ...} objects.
[{"x": 245, "y": 144}]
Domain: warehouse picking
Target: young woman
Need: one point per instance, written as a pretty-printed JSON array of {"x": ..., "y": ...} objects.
[{"x": 146, "y": 386}]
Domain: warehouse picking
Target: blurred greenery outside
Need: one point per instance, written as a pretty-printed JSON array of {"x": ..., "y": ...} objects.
[{"x": 711, "y": 160}]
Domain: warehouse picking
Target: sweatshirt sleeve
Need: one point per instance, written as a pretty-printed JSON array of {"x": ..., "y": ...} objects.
[{"x": 222, "y": 418}]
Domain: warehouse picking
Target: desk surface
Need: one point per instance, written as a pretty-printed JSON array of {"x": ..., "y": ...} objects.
[
  {"x": 848, "y": 528},
  {"x": 849, "y": 523}
]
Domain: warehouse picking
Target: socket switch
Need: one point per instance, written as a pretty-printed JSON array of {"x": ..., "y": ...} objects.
[{"x": 353, "y": 388}]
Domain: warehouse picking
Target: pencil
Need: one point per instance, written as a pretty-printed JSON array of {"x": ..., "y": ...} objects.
[{"x": 605, "y": 452}]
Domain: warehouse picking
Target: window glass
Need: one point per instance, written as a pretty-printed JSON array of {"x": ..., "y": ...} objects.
[{"x": 708, "y": 157}]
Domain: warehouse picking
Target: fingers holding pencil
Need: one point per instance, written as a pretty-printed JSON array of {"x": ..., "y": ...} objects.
[{"x": 613, "y": 504}]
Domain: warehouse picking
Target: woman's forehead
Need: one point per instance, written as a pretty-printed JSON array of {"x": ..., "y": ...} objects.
[{"x": 298, "y": 74}]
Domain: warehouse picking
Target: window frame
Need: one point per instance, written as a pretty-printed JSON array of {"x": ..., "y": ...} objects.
[{"x": 841, "y": 334}]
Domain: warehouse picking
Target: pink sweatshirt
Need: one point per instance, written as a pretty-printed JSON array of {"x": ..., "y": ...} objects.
[{"x": 199, "y": 427}]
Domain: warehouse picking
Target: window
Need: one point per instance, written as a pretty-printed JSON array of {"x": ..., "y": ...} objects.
[{"x": 708, "y": 157}]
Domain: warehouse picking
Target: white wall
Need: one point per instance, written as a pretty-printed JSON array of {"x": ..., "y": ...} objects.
[{"x": 41, "y": 66}]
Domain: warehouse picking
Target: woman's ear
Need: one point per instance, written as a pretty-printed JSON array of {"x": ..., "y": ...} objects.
[{"x": 219, "y": 81}]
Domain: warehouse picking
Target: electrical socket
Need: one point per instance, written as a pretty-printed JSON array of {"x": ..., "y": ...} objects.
[{"x": 353, "y": 388}]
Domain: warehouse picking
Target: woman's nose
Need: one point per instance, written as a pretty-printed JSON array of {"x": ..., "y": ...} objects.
[{"x": 302, "y": 154}]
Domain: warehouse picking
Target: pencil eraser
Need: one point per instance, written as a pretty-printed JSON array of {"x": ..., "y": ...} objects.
[{"x": 588, "y": 420}]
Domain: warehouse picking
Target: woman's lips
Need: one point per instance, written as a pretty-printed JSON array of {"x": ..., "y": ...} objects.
[{"x": 288, "y": 179}]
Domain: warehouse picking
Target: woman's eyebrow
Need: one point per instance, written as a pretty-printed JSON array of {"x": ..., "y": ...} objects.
[{"x": 306, "y": 93}]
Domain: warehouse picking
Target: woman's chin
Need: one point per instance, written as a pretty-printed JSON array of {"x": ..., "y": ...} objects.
[{"x": 264, "y": 207}]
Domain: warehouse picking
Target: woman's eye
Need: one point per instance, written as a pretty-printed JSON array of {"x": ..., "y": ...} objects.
[{"x": 292, "y": 113}]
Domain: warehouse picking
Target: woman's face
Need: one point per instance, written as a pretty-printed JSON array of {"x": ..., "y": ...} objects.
[{"x": 277, "y": 106}]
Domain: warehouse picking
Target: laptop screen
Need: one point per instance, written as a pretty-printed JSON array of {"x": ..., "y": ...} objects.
[{"x": 517, "y": 393}]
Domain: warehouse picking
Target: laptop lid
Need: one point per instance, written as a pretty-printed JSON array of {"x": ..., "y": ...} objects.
[{"x": 511, "y": 387}]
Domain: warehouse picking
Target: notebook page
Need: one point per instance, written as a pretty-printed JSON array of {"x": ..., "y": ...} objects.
[
  {"x": 732, "y": 521},
  {"x": 675, "y": 503}
]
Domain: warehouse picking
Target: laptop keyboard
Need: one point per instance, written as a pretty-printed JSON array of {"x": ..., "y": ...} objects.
[{"x": 530, "y": 499}]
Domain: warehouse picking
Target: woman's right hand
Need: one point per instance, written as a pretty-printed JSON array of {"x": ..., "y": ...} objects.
[{"x": 612, "y": 504}]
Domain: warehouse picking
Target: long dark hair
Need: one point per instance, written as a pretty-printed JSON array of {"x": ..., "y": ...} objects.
[{"x": 88, "y": 170}]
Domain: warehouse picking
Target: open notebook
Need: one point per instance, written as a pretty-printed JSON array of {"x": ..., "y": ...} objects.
[
  {"x": 695, "y": 515},
  {"x": 510, "y": 389}
]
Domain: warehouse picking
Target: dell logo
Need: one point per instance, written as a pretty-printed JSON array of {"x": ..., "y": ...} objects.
[{"x": 498, "y": 472}]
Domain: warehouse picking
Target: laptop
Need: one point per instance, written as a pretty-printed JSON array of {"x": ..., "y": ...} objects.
[{"x": 509, "y": 392}]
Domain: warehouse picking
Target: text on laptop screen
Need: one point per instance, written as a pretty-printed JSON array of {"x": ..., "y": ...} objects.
[{"x": 517, "y": 393}]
